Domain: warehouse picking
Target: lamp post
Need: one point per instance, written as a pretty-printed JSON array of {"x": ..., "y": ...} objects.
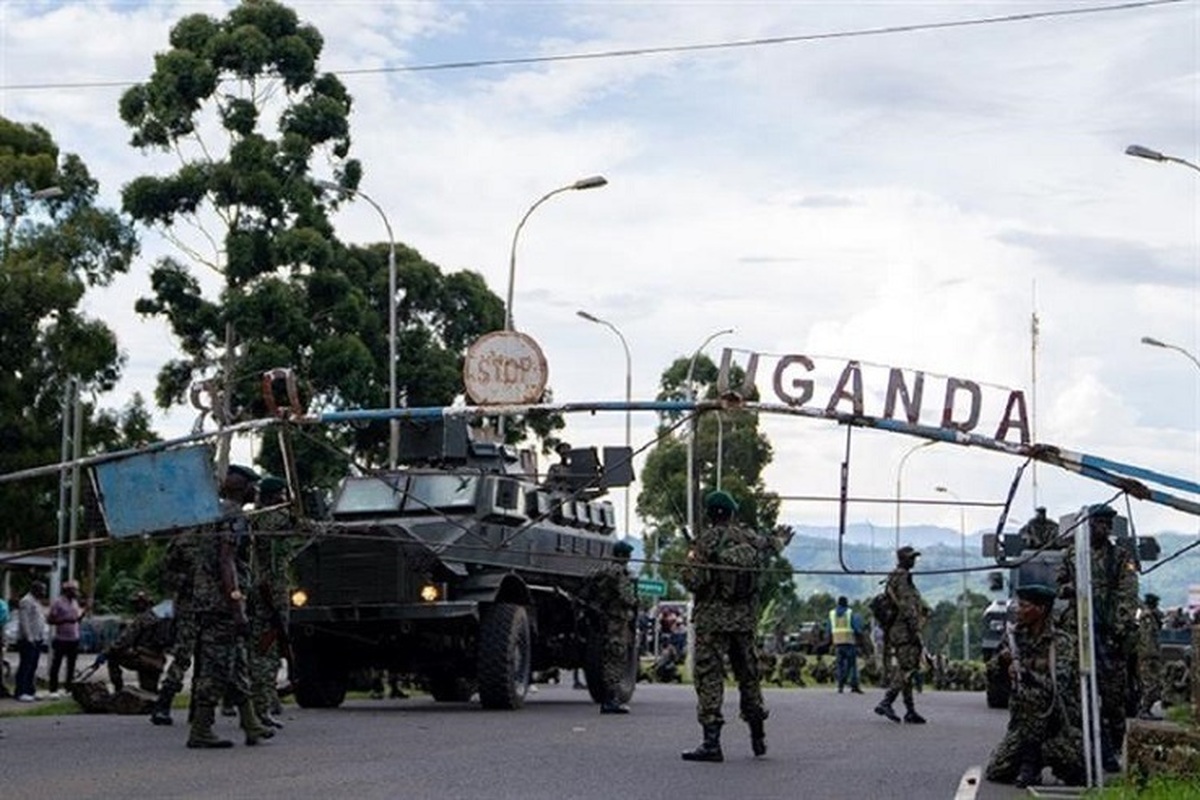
[
  {"x": 1150, "y": 340},
  {"x": 1137, "y": 151},
  {"x": 594, "y": 182},
  {"x": 393, "y": 423},
  {"x": 691, "y": 443},
  {"x": 962, "y": 536},
  {"x": 899, "y": 476},
  {"x": 628, "y": 390}
]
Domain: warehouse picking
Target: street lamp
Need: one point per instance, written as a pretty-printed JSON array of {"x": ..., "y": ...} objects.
[
  {"x": 1150, "y": 340},
  {"x": 962, "y": 530},
  {"x": 393, "y": 423},
  {"x": 691, "y": 443},
  {"x": 899, "y": 475},
  {"x": 594, "y": 182},
  {"x": 628, "y": 391},
  {"x": 1137, "y": 151}
]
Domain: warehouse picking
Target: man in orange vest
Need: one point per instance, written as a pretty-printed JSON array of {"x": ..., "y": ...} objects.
[{"x": 844, "y": 628}]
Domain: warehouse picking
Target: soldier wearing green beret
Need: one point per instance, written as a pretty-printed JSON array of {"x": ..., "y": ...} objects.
[
  {"x": 1043, "y": 726},
  {"x": 723, "y": 571}
]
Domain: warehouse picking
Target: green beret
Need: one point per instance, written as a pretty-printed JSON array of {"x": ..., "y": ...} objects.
[
  {"x": 244, "y": 471},
  {"x": 1101, "y": 510},
  {"x": 271, "y": 484},
  {"x": 720, "y": 499},
  {"x": 622, "y": 549},
  {"x": 1040, "y": 593}
]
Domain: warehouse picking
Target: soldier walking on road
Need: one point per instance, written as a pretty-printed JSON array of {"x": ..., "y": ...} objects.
[
  {"x": 722, "y": 572},
  {"x": 221, "y": 662},
  {"x": 610, "y": 592},
  {"x": 902, "y": 638},
  {"x": 267, "y": 602}
]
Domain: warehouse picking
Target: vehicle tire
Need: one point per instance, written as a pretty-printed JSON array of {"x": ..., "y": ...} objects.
[
  {"x": 593, "y": 670},
  {"x": 451, "y": 688},
  {"x": 504, "y": 656},
  {"x": 322, "y": 682}
]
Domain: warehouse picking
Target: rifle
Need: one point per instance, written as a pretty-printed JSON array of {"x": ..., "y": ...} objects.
[{"x": 278, "y": 633}]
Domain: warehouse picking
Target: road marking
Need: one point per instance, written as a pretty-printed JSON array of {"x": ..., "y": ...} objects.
[{"x": 969, "y": 784}]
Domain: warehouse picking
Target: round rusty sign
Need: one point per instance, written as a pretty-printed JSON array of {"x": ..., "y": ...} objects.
[{"x": 505, "y": 368}]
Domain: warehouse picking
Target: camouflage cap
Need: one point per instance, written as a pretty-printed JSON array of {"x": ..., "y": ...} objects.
[
  {"x": 908, "y": 551},
  {"x": 622, "y": 549},
  {"x": 720, "y": 499}
]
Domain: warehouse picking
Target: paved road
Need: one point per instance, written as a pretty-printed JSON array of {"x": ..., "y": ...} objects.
[{"x": 823, "y": 745}]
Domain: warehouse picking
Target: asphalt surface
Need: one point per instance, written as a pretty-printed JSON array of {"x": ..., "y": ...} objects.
[{"x": 822, "y": 745}]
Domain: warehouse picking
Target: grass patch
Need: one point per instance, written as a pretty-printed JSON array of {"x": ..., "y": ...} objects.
[{"x": 1160, "y": 788}]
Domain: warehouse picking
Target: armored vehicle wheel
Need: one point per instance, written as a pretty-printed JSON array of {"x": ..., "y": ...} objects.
[
  {"x": 451, "y": 689},
  {"x": 504, "y": 658},
  {"x": 322, "y": 683},
  {"x": 593, "y": 670}
]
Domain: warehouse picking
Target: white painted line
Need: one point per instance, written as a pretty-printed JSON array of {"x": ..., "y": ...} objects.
[{"x": 969, "y": 784}]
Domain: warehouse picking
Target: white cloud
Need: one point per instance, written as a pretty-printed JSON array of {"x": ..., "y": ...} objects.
[{"x": 897, "y": 199}]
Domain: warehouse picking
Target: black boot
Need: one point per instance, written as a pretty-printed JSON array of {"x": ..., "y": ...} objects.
[
  {"x": 162, "y": 710},
  {"x": 710, "y": 749},
  {"x": 1030, "y": 775},
  {"x": 884, "y": 709},
  {"x": 911, "y": 716},
  {"x": 613, "y": 707},
  {"x": 758, "y": 737}
]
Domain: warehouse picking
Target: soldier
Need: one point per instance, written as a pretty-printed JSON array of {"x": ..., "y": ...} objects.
[
  {"x": 1114, "y": 618},
  {"x": 1039, "y": 532},
  {"x": 267, "y": 600},
  {"x": 221, "y": 663},
  {"x": 722, "y": 572},
  {"x": 824, "y": 673},
  {"x": 791, "y": 667},
  {"x": 179, "y": 566},
  {"x": 612, "y": 598},
  {"x": 903, "y": 637},
  {"x": 1150, "y": 660},
  {"x": 767, "y": 664},
  {"x": 141, "y": 647},
  {"x": 1043, "y": 725}
]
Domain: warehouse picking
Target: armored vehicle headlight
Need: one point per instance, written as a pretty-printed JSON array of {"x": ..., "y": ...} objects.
[
  {"x": 996, "y": 624},
  {"x": 431, "y": 592},
  {"x": 299, "y": 598}
]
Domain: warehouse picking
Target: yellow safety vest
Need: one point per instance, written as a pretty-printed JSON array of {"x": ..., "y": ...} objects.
[{"x": 840, "y": 627}]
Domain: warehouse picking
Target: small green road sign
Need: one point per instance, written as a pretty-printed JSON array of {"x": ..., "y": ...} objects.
[{"x": 651, "y": 587}]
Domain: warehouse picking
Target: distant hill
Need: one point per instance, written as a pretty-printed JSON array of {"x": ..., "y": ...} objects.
[{"x": 815, "y": 555}]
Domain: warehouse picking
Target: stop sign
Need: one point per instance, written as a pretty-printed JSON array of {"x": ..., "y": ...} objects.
[{"x": 505, "y": 368}]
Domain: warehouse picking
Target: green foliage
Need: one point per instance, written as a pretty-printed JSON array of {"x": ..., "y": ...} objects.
[{"x": 52, "y": 249}]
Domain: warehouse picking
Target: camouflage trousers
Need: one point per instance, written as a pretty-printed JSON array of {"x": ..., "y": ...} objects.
[
  {"x": 1041, "y": 731},
  {"x": 221, "y": 664},
  {"x": 709, "y": 678},
  {"x": 182, "y": 652},
  {"x": 264, "y": 662},
  {"x": 1112, "y": 683},
  {"x": 908, "y": 661},
  {"x": 1150, "y": 676},
  {"x": 615, "y": 664}
]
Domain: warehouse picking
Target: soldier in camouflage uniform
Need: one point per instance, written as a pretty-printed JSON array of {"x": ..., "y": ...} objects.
[
  {"x": 610, "y": 593},
  {"x": 1150, "y": 660},
  {"x": 1043, "y": 726},
  {"x": 267, "y": 598},
  {"x": 1114, "y": 609},
  {"x": 141, "y": 646},
  {"x": 1039, "y": 532},
  {"x": 221, "y": 661},
  {"x": 722, "y": 572},
  {"x": 791, "y": 667},
  {"x": 179, "y": 567},
  {"x": 903, "y": 637}
]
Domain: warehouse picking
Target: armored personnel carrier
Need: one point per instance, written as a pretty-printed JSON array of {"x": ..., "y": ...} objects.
[{"x": 460, "y": 568}]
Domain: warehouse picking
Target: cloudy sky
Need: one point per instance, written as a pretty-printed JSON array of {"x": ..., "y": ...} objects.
[{"x": 854, "y": 180}]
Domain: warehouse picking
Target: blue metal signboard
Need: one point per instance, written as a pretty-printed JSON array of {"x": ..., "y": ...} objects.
[{"x": 158, "y": 492}]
